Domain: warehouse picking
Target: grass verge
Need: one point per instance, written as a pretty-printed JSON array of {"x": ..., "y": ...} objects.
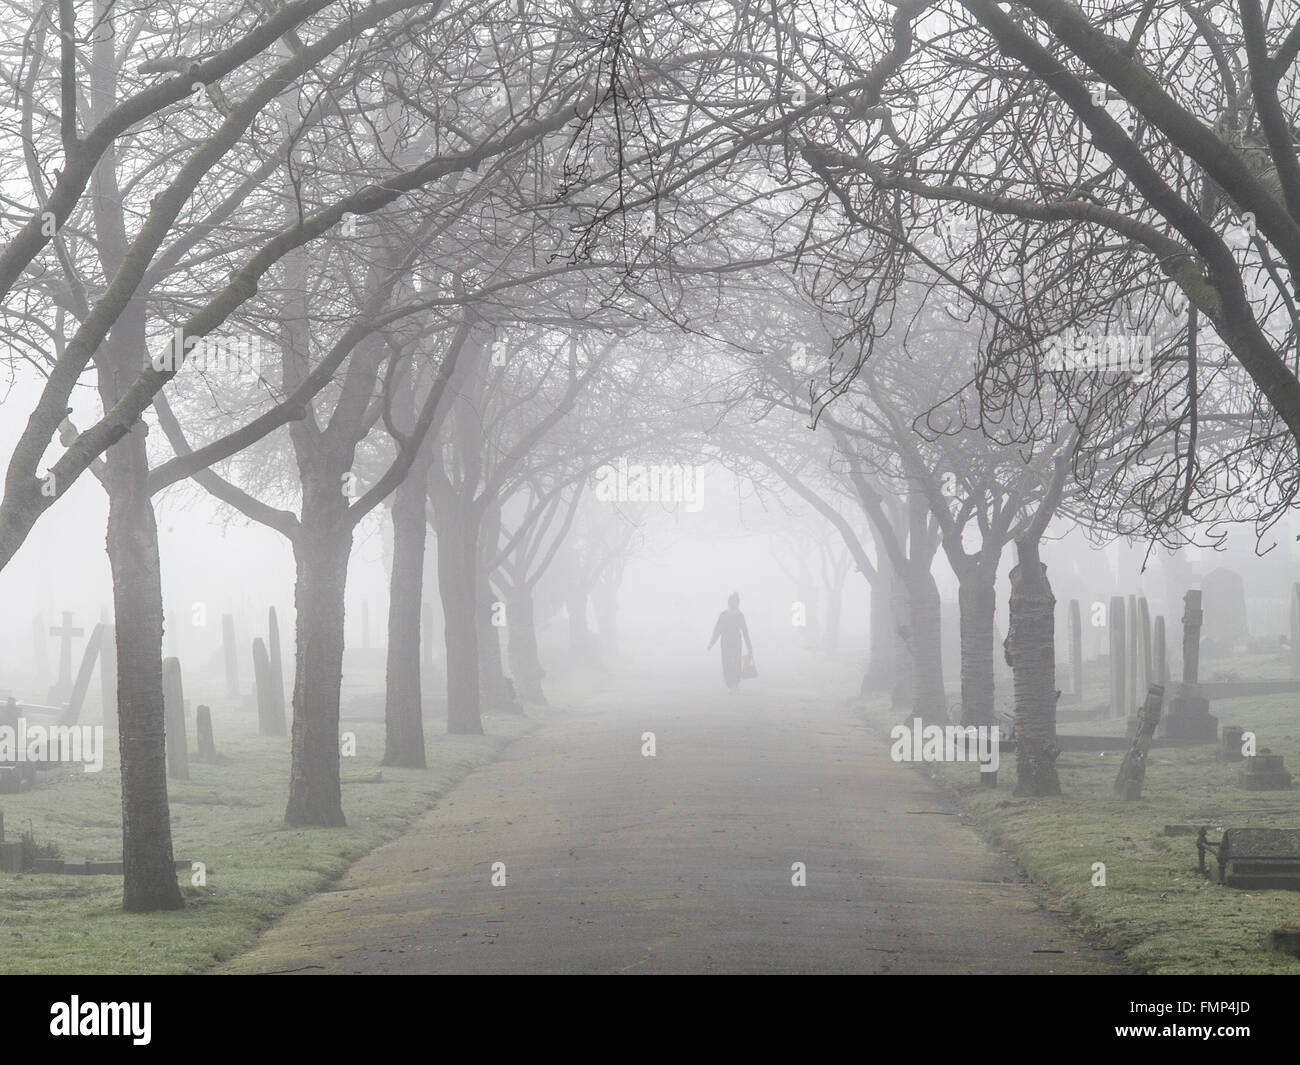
[
  {"x": 1154, "y": 908},
  {"x": 230, "y": 818}
]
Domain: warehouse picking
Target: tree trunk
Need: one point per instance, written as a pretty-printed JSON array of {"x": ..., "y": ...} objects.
[
  {"x": 321, "y": 553},
  {"x": 521, "y": 645},
  {"x": 457, "y": 569},
  {"x": 929, "y": 700},
  {"x": 1031, "y": 654},
  {"x": 900, "y": 608},
  {"x": 575, "y": 606},
  {"x": 882, "y": 663},
  {"x": 604, "y": 598},
  {"x": 809, "y": 595},
  {"x": 834, "y": 613},
  {"x": 497, "y": 690},
  {"x": 977, "y": 601},
  {"x": 403, "y": 702},
  {"x": 149, "y": 869},
  {"x": 489, "y": 609}
]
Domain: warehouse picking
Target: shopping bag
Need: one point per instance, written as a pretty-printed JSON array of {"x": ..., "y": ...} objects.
[{"x": 747, "y": 669}]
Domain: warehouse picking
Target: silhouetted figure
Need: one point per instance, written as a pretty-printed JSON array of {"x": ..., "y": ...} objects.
[{"x": 731, "y": 629}]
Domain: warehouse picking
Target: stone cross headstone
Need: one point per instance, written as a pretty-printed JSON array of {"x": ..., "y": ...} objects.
[
  {"x": 1075, "y": 625},
  {"x": 66, "y": 633},
  {"x": 178, "y": 753},
  {"x": 78, "y": 698},
  {"x": 277, "y": 669},
  {"x": 1295, "y": 630},
  {"x": 42, "y": 656},
  {"x": 207, "y": 747},
  {"x": 1225, "y": 609},
  {"x": 1189, "y": 715},
  {"x": 1118, "y": 687},
  {"x": 1192, "y": 638},
  {"x": 232, "y": 663}
]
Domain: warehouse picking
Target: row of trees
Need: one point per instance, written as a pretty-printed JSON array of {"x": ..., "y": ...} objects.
[{"x": 453, "y": 223}]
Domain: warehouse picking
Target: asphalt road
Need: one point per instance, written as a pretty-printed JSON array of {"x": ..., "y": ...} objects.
[{"x": 614, "y": 862}]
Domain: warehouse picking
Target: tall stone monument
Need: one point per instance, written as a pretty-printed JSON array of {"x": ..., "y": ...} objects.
[{"x": 1189, "y": 717}]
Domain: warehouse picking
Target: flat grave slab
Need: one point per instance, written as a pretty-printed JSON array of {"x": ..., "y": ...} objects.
[{"x": 1254, "y": 857}]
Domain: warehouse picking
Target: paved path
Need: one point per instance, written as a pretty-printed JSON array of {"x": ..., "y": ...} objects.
[{"x": 620, "y": 863}]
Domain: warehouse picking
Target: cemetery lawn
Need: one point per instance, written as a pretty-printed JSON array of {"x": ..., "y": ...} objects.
[
  {"x": 1155, "y": 908},
  {"x": 228, "y": 816}
]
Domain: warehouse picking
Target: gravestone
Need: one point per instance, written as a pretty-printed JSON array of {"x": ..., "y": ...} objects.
[
  {"x": 262, "y": 685},
  {"x": 1295, "y": 630},
  {"x": 73, "y": 714},
  {"x": 11, "y": 853},
  {"x": 1225, "y": 609},
  {"x": 1146, "y": 676},
  {"x": 9, "y": 713},
  {"x": 265, "y": 698},
  {"x": 232, "y": 663},
  {"x": 41, "y": 651},
  {"x": 14, "y": 776},
  {"x": 1118, "y": 687},
  {"x": 1159, "y": 656},
  {"x": 1193, "y": 617},
  {"x": 207, "y": 747},
  {"x": 1132, "y": 771},
  {"x": 1264, "y": 772},
  {"x": 1075, "y": 625},
  {"x": 1253, "y": 857},
  {"x": 1140, "y": 665},
  {"x": 1232, "y": 742},
  {"x": 66, "y": 633},
  {"x": 277, "y": 670},
  {"x": 1130, "y": 658},
  {"x": 1189, "y": 716},
  {"x": 178, "y": 754}
]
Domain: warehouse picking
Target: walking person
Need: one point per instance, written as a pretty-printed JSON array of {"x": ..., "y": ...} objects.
[{"x": 731, "y": 629}]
